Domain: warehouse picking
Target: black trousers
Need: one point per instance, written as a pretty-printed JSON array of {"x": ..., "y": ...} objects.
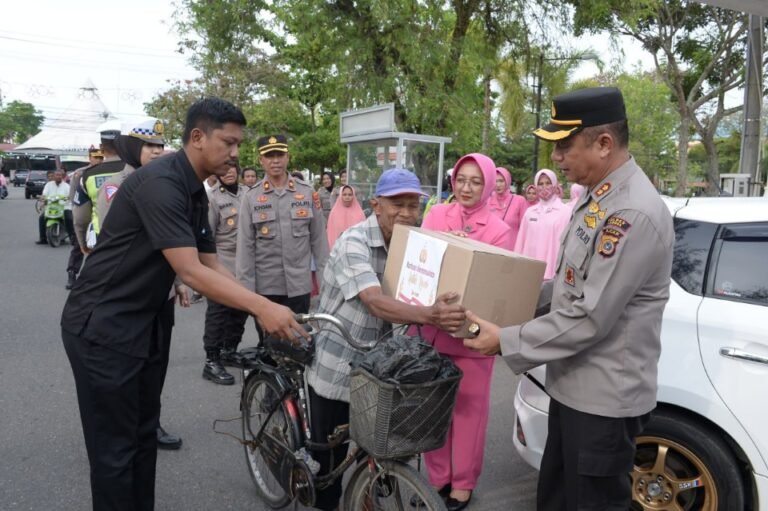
[
  {"x": 298, "y": 304},
  {"x": 75, "y": 261},
  {"x": 587, "y": 461},
  {"x": 224, "y": 327},
  {"x": 326, "y": 415},
  {"x": 119, "y": 400}
]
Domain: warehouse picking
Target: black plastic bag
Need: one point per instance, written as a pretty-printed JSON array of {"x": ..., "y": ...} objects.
[{"x": 404, "y": 359}]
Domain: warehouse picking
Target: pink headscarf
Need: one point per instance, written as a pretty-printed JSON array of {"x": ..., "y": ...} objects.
[
  {"x": 508, "y": 206},
  {"x": 533, "y": 202},
  {"x": 542, "y": 226},
  {"x": 577, "y": 191},
  {"x": 343, "y": 217}
]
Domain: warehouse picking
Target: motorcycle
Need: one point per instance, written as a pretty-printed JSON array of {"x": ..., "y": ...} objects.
[{"x": 55, "y": 231}]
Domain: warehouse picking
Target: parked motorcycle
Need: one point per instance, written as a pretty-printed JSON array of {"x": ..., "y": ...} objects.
[{"x": 55, "y": 230}]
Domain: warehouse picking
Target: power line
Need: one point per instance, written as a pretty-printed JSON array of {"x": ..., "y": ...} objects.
[{"x": 89, "y": 45}]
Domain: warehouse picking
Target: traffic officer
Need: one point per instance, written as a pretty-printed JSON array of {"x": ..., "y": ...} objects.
[
  {"x": 114, "y": 330},
  {"x": 224, "y": 325},
  {"x": 143, "y": 144},
  {"x": 84, "y": 203},
  {"x": 281, "y": 229},
  {"x": 601, "y": 340},
  {"x": 95, "y": 156}
]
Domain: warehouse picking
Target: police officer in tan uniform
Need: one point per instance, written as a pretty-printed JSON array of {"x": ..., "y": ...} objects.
[
  {"x": 601, "y": 339},
  {"x": 281, "y": 227},
  {"x": 224, "y": 325}
]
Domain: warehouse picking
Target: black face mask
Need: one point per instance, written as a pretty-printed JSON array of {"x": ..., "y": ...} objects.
[
  {"x": 129, "y": 150},
  {"x": 230, "y": 188}
]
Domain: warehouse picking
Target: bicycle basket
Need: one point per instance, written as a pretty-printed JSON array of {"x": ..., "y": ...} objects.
[{"x": 397, "y": 421}]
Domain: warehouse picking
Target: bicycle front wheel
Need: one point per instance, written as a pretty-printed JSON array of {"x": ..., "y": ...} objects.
[
  {"x": 260, "y": 396},
  {"x": 391, "y": 485}
]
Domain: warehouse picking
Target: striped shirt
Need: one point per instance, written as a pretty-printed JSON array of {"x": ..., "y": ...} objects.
[{"x": 355, "y": 264}]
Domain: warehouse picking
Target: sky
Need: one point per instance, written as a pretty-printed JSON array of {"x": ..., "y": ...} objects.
[{"x": 49, "y": 48}]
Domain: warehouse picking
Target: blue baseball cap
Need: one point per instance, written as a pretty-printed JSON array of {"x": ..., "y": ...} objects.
[{"x": 396, "y": 182}]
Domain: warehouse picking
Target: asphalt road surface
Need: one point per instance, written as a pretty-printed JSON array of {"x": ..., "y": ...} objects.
[{"x": 43, "y": 464}]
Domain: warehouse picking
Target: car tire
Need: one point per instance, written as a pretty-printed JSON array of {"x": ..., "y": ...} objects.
[{"x": 682, "y": 461}]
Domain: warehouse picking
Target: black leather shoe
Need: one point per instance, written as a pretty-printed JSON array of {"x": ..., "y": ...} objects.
[
  {"x": 452, "y": 504},
  {"x": 231, "y": 358},
  {"x": 166, "y": 440},
  {"x": 444, "y": 492},
  {"x": 70, "y": 279},
  {"x": 215, "y": 372}
]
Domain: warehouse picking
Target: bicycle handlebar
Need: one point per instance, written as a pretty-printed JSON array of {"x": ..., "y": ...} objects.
[{"x": 318, "y": 316}]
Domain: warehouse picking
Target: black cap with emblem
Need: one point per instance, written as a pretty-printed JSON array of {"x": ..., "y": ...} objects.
[
  {"x": 273, "y": 143},
  {"x": 583, "y": 108}
]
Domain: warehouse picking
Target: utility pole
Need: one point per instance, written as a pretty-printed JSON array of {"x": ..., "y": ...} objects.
[{"x": 751, "y": 140}]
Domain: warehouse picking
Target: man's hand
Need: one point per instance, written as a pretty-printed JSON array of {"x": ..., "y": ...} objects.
[
  {"x": 182, "y": 293},
  {"x": 487, "y": 342},
  {"x": 445, "y": 315},
  {"x": 86, "y": 250},
  {"x": 280, "y": 321}
]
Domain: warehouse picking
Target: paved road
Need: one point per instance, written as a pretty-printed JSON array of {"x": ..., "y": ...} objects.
[{"x": 42, "y": 457}]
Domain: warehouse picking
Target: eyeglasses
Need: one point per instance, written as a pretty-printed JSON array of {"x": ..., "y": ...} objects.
[{"x": 472, "y": 183}]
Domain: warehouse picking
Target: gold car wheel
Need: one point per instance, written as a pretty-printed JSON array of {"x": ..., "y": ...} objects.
[{"x": 669, "y": 476}]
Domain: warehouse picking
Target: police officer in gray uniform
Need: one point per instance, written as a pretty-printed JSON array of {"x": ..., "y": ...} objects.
[
  {"x": 601, "y": 339},
  {"x": 280, "y": 228},
  {"x": 224, "y": 325}
]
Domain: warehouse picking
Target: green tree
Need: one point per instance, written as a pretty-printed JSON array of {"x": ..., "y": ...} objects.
[
  {"x": 19, "y": 121},
  {"x": 698, "y": 50}
]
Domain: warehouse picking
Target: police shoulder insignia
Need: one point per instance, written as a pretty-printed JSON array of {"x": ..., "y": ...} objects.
[
  {"x": 608, "y": 242},
  {"x": 291, "y": 184},
  {"x": 266, "y": 187},
  {"x": 604, "y": 188},
  {"x": 619, "y": 223}
]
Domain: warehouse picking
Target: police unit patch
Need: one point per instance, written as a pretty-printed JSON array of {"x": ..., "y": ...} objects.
[
  {"x": 231, "y": 222},
  {"x": 302, "y": 213},
  {"x": 265, "y": 230},
  {"x": 110, "y": 191},
  {"x": 608, "y": 243},
  {"x": 618, "y": 222}
]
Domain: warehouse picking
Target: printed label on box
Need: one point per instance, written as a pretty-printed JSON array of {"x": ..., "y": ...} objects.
[{"x": 420, "y": 272}]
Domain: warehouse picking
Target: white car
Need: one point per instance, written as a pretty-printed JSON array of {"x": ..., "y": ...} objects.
[{"x": 706, "y": 446}]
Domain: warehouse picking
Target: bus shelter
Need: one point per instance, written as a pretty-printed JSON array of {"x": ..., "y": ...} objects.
[{"x": 374, "y": 145}]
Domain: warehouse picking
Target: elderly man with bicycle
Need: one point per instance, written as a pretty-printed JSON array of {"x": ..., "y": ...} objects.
[{"x": 351, "y": 291}]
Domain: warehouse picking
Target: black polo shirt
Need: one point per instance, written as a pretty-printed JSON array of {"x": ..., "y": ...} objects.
[{"x": 126, "y": 280}]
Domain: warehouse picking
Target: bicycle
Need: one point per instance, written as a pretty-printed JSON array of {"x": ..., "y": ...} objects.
[{"x": 277, "y": 438}]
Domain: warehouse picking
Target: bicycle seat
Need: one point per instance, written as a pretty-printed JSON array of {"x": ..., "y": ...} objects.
[{"x": 301, "y": 353}]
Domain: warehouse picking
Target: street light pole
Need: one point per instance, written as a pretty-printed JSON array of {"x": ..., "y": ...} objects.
[{"x": 538, "y": 114}]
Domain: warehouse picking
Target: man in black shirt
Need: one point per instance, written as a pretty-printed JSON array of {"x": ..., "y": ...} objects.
[{"x": 118, "y": 309}]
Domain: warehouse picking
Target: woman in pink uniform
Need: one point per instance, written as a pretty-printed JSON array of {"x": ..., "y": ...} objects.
[
  {"x": 344, "y": 214},
  {"x": 455, "y": 467},
  {"x": 543, "y": 224},
  {"x": 508, "y": 206},
  {"x": 531, "y": 197}
]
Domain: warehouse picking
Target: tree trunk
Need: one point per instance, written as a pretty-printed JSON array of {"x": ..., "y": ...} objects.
[
  {"x": 713, "y": 165},
  {"x": 682, "y": 155},
  {"x": 486, "y": 113}
]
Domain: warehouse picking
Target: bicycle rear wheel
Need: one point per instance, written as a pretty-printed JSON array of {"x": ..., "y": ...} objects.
[
  {"x": 395, "y": 486},
  {"x": 259, "y": 397}
]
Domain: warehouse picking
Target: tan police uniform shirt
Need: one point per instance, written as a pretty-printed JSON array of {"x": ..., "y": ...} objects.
[
  {"x": 601, "y": 340},
  {"x": 109, "y": 189},
  {"x": 279, "y": 230},
  {"x": 223, "y": 210}
]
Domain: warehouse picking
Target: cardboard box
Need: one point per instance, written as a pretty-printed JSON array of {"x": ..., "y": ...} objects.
[{"x": 496, "y": 284}]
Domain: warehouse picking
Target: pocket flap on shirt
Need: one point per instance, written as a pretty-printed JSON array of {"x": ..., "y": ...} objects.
[{"x": 266, "y": 215}]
